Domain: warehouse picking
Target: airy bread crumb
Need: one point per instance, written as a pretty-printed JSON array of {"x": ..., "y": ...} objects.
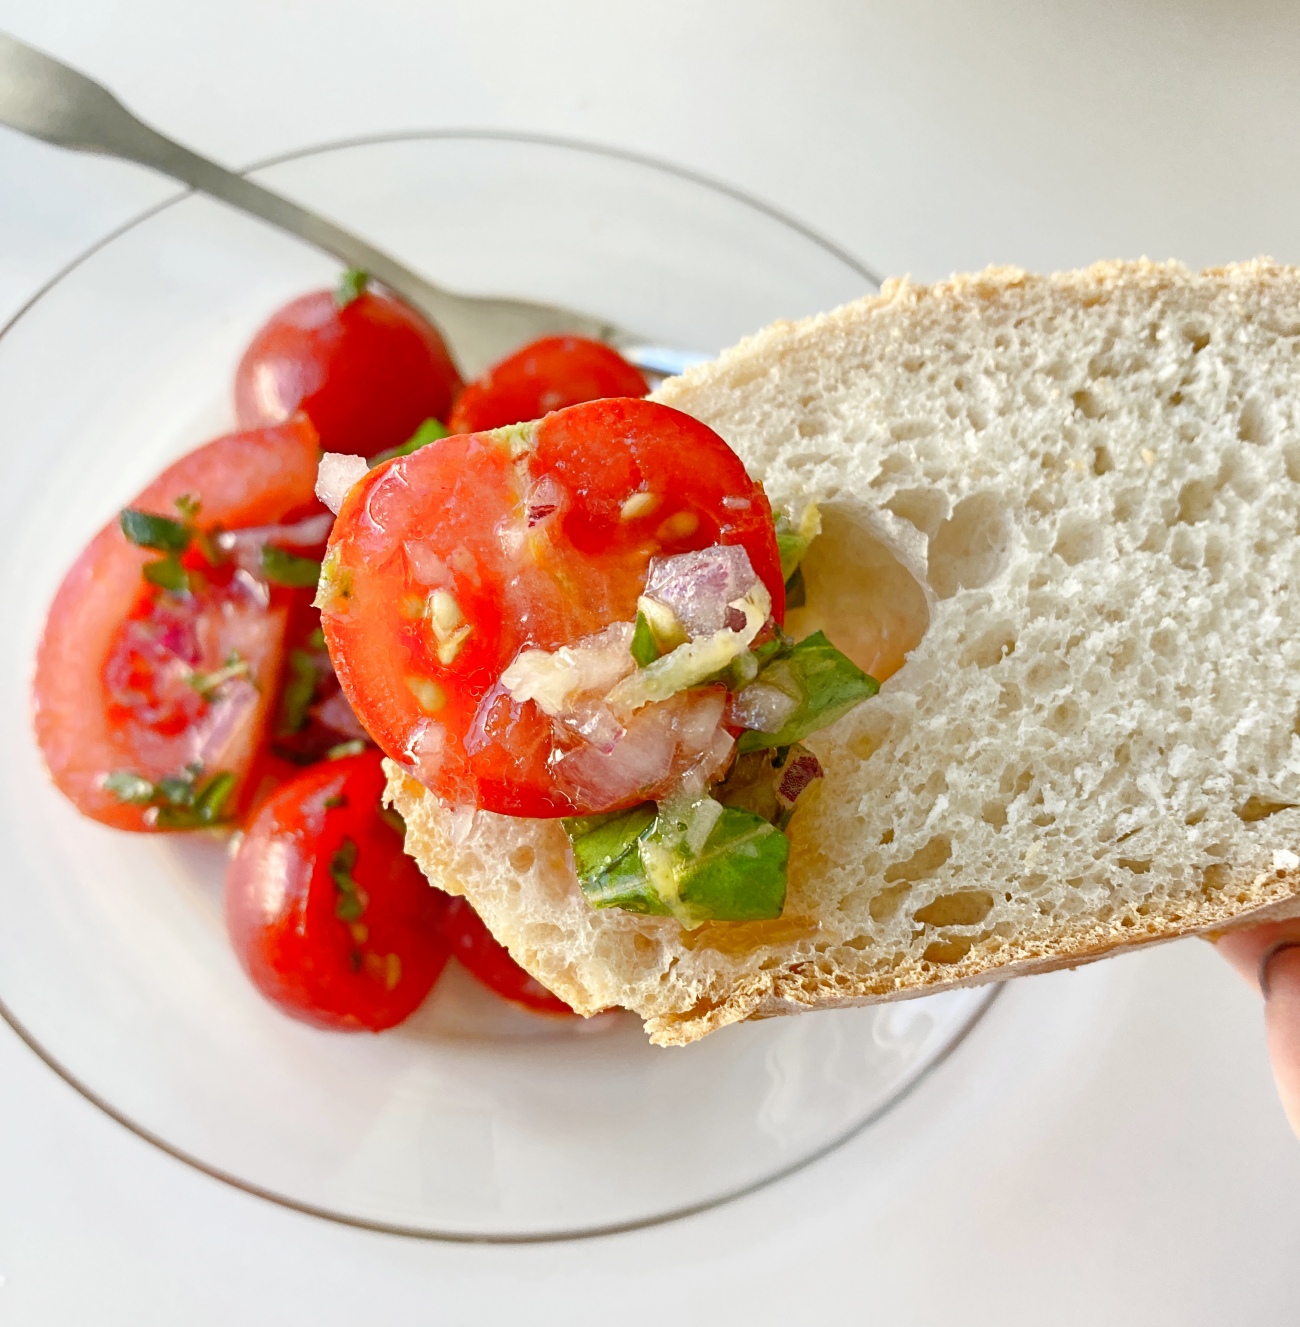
[{"x": 1076, "y": 501}]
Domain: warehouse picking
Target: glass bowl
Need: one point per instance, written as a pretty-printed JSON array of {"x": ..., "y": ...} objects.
[{"x": 475, "y": 1120}]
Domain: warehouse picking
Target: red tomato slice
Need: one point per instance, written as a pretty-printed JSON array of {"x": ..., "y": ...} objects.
[
  {"x": 118, "y": 661},
  {"x": 329, "y": 917},
  {"x": 538, "y": 535},
  {"x": 545, "y": 375},
  {"x": 480, "y": 953},
  {"x": 367, "y": 374}
]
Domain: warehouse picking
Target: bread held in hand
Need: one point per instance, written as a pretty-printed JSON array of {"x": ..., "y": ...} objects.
[{"x": 1072, "y": 504}]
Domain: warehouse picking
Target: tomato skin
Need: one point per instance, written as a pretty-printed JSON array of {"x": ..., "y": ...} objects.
[
  {"x": 283, "y": 904},
  {"x": 546, "y": 375},
  {"x": 242, "y": 479},
  {"x": 484, "y": 957},
  {"x": 367, "y": 375},
  {"x": 519, "y": 579}
]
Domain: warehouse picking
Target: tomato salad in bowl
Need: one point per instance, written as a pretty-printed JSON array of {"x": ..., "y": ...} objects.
[{"x": 538, "y": 593}]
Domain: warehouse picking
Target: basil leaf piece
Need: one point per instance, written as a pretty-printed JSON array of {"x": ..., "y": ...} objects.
[
  {"x": 299, "y": 688},
  {"x": 644, "y": 649},
  {"x": 796, "y": 592},
  {"x": 739, "y": 876},
  {"x": 167, "y": 574},
  {"x": 147, "y": 530},
  {"x": 431, "y": 430},
  {"x": 639, "y": 860},
  {"x": 825, "y": 683},
  {"x": 288, "y": 569},
  {"x": 185, "y": 806},
  {"x": 350, "y": 286},
  {"x": 350, "y": 905}
]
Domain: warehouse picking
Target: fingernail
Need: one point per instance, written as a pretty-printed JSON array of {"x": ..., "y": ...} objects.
[{"x": 1266, "y": 962}]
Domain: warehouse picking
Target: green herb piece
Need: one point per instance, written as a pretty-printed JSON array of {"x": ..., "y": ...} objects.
[
  {"x": 333, "y": 803},
  {"x": 350, "y": 905},
  {"x": 147, "y": 530},
  {"x": 178, "y": 789},
  {"x": 430, "y": 431},
  {"x": 283, "y": 568},
  {"x": 393, "y": 819},
  {"x": 316, "y": 641},
  {"x": 167, "y": 574},
  {"x": 299, "y": 688},
  {"x": 642, "y": 861},
  {"x": 350, "y": 286},
  {"x": 824, "y": 683},
  {"x": 208, "y": 684},
  {"x": 341, "y": 750},
  {"x": 792, "y": 540},
  {"x": 182, "y": 803},
  {"x": 645, "y": 649},
  {"x": 127, "y": 786}
]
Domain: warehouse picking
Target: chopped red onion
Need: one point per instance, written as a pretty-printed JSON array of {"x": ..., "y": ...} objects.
[
  {"x": 761, "y": 707},
  {"x": 337, "y": 473},
  {"x": 800, "y": 771},
  {"x": 699, "y": 586},
  {"x": 245, "y": 546}
]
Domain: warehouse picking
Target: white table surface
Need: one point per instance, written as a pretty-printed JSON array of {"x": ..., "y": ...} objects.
[{"x": 1106, "y": 1147}]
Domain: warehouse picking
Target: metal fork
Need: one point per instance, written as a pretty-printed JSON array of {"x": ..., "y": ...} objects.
[{"x": 48, "y": 100}]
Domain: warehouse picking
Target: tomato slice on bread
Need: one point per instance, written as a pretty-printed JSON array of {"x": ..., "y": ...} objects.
[
  {"x": 545, "y": 375},
  {"x": 327, "y": 914},
  {"x": 445, "y": 564},
  {"x": 136, "y": 684}
]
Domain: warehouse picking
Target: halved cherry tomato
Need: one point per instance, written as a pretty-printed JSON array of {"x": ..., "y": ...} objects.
[
  {"x": 367, "y": 373},
  {"x": 443, "y": 565},
  {"x": 327, "y": 914},
  {"x": 545, "y": 375},
  {"x": 138, "y": 681},
  {"x": 481, "y": 954}
]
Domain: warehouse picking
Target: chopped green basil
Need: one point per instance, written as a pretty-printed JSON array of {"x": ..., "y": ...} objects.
[
  {"x": 430, "y": 431},
  {"x": 167, "y": 574},
  {"x": 643, "y": 861},
  {"x": 393, "y": 819},
  {"x": 792, "y": 540},
  {"x": 645, "y": 650},
  {"x": 350, "y": 905},
  {"x": 299, "y": 688},
  {"x": 825, "y": 684},
  {"x": 350, "y": 286},
  {"x": 177, "y": 801},
  {"x": 796, "y": 592},
  {"x": 147, "y": 530},
  {"x": 207, "y": 684},
  {"x": 283, "y": 568}
]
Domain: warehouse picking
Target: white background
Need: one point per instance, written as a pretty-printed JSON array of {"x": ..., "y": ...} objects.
[{"x": 1106, "y": 1147}]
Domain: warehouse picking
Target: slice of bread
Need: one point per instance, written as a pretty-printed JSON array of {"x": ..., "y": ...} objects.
[{"x": 1076, "y": 501}]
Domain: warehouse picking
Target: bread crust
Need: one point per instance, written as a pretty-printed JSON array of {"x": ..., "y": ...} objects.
[{"x": 519, "y": 874}]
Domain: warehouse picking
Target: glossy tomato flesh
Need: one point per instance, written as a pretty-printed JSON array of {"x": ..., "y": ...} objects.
[
  {"x": 480, "y": 953},
  {"x": 366, "y": 374},
  {"x": 119, "y": 669},
  {"x": 541, "y": 534},
  {"x": 327, "y": 914},
  {"x": 545, "y": 375}
]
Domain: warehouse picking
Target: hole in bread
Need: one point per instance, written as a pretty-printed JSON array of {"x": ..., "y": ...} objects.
[
  {"x": 1079, "y": 540},
  {"x": 948, "y": 950},
  {"x": 995, "y": 814},
  {"x": 967, "y": 550},
  {"x": 1214, "y": 877},
  {"x": 1195, "y": 499},
  {"x": 1138, "y": 865},
  {"x": 522, "y": 859},
  {"x": 1198, "y": 336},
  {"x": 906, "y": 430},
  {"x": 861, "y": 595},
  {"x": 991, "y": 647},
  {"x": 1253, "y": 426},
  {"x": 924, "y": 508},
  {"x": 967, "y": 908},
  {"x": 1086, "y": 403},
  {"x": 886, "y": 903},
  {"x": 1260, "y": 808},
  {"x": 925, "y": 861},
  {"x": 1102, "y": 461}
]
